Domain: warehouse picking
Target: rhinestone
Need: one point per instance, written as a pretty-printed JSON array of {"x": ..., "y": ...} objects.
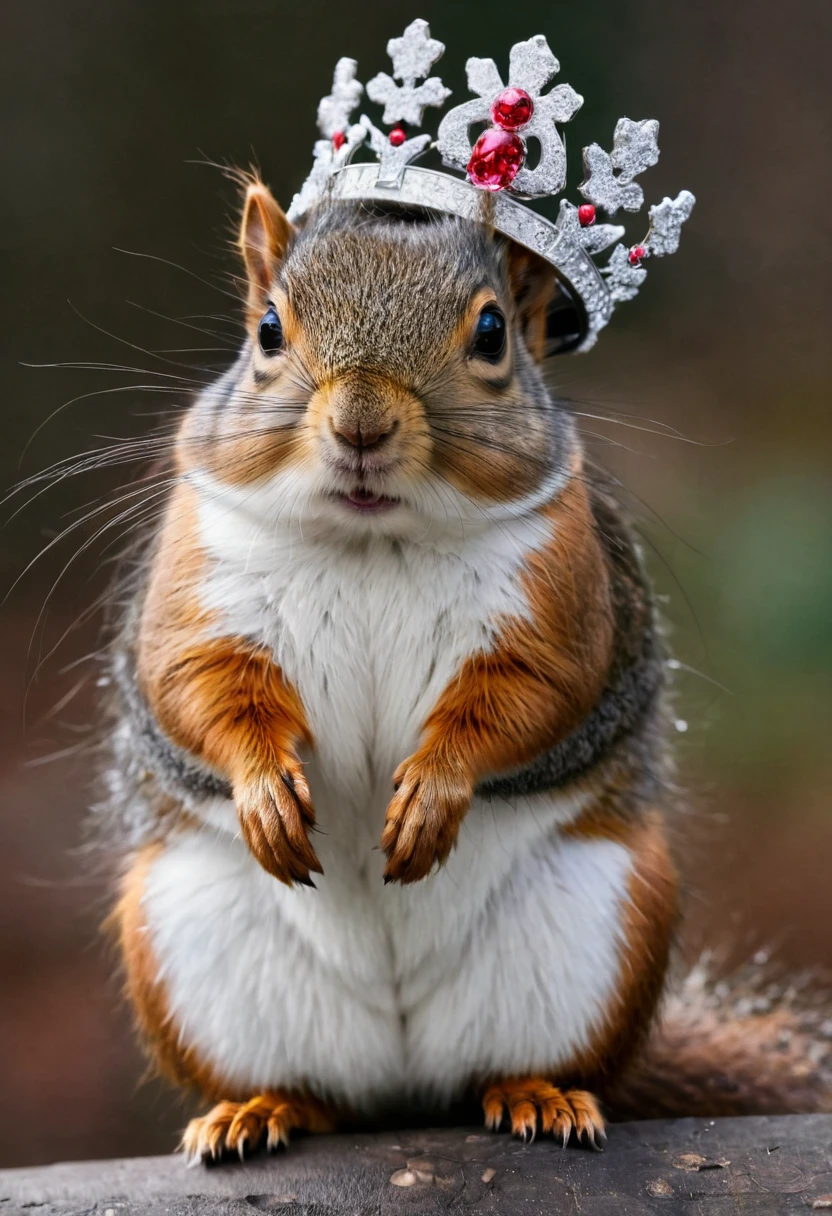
[
  {"x": 512, "y": 109},
  {"x": 496, "y": 159}
]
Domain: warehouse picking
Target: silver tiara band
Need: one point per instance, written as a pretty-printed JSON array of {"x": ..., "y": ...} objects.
[{"x": 436, "y": 191}]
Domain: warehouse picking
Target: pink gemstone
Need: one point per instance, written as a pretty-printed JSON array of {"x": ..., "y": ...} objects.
[
  {"x": 636, "y": 254},
  {"x": 511, "y": 109},
  {"x": 496, "y": 159},
  {"x": 397, "y": 136},
  {"x": 586, "y": 215},
  {"x": 338, "y": 140}
]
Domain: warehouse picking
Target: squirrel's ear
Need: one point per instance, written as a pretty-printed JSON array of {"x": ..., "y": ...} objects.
[
  {"x": 551, "y": 317},
  {"x": 264, "y": 235}
]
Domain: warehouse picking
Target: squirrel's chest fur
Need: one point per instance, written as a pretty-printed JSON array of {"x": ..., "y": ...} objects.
[
  {"x": 369, "y": 633},
  {"x": 358, "y": 987}
]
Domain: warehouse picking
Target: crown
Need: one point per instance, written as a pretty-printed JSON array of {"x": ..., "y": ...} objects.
[{"x": 497, "y": 165}]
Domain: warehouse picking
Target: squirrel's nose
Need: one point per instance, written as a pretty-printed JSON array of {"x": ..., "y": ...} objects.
[{"x": 363, "y": 435}]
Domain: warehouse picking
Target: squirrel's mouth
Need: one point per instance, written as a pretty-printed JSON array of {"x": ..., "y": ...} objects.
[{"x": 366, "y": 501}]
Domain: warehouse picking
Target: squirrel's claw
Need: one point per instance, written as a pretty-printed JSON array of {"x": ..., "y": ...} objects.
[
  {"x": 276, "y": 816},
  {"x": 530, "y": 1102},
  {"x": 240, "y": 1127},
  {"x": 423, "y": 817}
]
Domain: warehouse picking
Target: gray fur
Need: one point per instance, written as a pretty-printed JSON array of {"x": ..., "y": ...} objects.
[{"x": 356, "y": 320}]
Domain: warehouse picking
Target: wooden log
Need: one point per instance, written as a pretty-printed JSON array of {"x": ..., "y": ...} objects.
[{"x": 696, "y": 1167}]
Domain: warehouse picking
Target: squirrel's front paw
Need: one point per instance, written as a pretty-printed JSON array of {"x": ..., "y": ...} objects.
[
  {"x": 276, "y": 814},
  {"x": 423, "y": 818}
]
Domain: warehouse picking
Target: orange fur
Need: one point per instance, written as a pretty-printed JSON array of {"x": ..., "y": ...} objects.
[
  {"x": 225, "y": 700},
  {"x": 506, "y": 706}
]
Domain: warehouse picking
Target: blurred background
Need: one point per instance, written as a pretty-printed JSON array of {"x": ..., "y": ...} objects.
[{"x": 708, "y": 397}]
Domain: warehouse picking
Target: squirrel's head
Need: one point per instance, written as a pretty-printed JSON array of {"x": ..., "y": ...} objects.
[{"x": 391, "y": 375}]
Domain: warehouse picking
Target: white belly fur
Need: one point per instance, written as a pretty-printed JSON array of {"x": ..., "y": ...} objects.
[{"x": 501, "y": 962}]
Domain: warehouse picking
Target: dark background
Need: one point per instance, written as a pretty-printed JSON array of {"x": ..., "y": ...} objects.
[{"x": 106, "y": 106}]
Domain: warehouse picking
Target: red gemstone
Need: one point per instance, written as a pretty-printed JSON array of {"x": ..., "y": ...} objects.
[
  {"x": 397, "y": 136},
  {"x": 338, "y": 140},
  {"x": 636, "y": 254},
  {"x": 511, "y": 109},
  {"x": 496, "y": 159},
  {"x": 586, "y": 215}
]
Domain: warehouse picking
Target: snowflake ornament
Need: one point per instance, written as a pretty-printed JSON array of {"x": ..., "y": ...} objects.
[
  {"x": 413, "y": 55},
  {"x": 334, "y": 111},
  {"x": 666, "y": 219},
  {"x": 519, "y": 110},
  {"x": 593, "y": 238},
  {"x": 340, "y": 138},
  {"x": 635, "y": 146},
  {"x": 623, "y": 275},
  {"x": 609, "y": 183}
]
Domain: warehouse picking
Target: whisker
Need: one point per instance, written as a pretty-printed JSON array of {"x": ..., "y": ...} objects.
[
  {"x": 133, "y": 345},
  {"x": 153, "y": 257},
  {"x": 670, "y": 433},
  {"x": 87, "y": 366},
  {"x": 112, "y": 523},
  {"x": 184, "y": 322},
  {"x": 192, "y": 350},
  {"x": 100, "y": 392}
]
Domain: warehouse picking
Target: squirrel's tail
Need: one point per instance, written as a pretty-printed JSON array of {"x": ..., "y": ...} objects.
[{"x": 746, "y": 1045}]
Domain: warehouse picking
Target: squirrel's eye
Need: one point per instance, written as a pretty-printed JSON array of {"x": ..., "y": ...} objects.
[
  {"x": 270, "y": 332},
  {"x": 490, "y": 338}
]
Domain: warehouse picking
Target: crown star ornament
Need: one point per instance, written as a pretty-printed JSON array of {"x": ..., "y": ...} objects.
[
  {"x": 413, "y": 55},
  {"x": 528, "y": 109}
]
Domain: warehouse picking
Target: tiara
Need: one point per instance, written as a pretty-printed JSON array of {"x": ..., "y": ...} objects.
[{"x": 497, "y": 165}]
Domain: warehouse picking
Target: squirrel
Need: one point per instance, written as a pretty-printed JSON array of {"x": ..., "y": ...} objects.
[{"x": 390, "y": 761}]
